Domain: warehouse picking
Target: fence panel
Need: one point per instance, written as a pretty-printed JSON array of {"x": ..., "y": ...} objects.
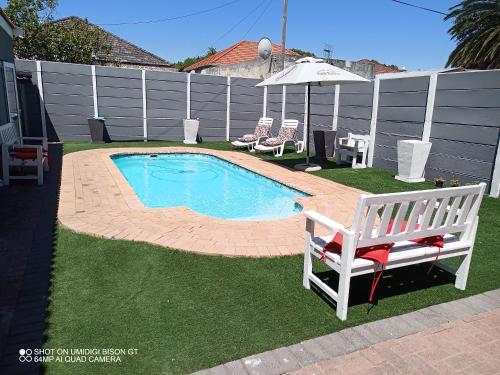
[
  {"x": 119, "y": 98},
  {"x": 465, "y": 129},
  {"x": 208, "y": 103},
  {"x": 67, "y": 92},
  {"x": 355, "y": 109},
  {"x": 166, "y": 105},
  {"x": 246, "y": 106},
  {"x": 294, "y": 109},
  {"x": 401, "y": 115}
]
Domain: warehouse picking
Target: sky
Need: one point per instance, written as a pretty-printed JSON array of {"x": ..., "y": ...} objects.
[{"x": 384, "y": 30}]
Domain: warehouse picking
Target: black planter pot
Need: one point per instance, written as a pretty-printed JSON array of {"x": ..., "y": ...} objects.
[
  {"x": 96, "y": 127},
  {"x": 439, "y": 184}
]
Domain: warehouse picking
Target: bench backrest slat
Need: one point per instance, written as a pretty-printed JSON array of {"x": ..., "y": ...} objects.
[{"x": 418, "y": 214}]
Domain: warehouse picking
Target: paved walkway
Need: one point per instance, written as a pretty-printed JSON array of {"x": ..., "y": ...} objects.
[
  {"x": 470, "y": 346},
  {"x": 459, "y": 337},
  {"x": 96, "y": 199},
  {"x": 27, "y": 236}
]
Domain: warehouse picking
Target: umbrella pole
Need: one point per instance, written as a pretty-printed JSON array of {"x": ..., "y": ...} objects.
[{"x": 308, "y": 120}]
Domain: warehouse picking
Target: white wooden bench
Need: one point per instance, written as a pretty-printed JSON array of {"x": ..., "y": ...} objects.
[
  {"x": 451, "y": 212},
  {"x": 349, "y": 148},
  {"x": 17, "y": 154}
]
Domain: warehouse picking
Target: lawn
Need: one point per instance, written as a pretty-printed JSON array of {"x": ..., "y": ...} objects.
[{"x": 184, "y": 312}]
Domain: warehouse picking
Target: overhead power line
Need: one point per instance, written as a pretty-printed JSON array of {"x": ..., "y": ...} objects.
[
  {"x": 420, "y": 7},
  {"x": 238, "y": 23},
  {"x": 187, "y": 15},
  {"x": 257, "y": 20}
]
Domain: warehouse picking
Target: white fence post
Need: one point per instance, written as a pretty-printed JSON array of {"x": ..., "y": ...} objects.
[
  {"x": 228, "y": 108},
  {"x": 495, "y": 179},
  {"x": 429, "y": 110},
  {"x": 373, "y": 122},
  {"x": 144, "y": 107},
  {"x": 188, "y": 96},
  {"x": 40, "y": 95},
  {"x": 94, "y": 91},
  {"x": 283, "y": 104},
  {"x": 306, "y": 114},
  {"x": 336, "y": 108},
  {"x": 264, "y": 103}
]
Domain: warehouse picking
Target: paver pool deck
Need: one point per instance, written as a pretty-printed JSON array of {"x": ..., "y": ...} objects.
[{"x": 96, "y": 199}]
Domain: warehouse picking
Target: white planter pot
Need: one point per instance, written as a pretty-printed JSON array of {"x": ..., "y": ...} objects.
[
  {"x": 412, "y": 157},
  {"x": 190, "y": 131}
]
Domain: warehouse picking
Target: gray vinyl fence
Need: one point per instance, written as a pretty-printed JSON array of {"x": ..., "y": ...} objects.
[{"x": 458, "y": 112}]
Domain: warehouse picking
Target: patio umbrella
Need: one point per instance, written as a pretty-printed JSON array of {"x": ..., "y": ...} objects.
[{"x": 310, "y": 71}]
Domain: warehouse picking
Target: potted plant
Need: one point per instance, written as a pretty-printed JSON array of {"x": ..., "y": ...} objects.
[
  {"x": 454, "y": 182},
  {"x": 439, "y": 181}
]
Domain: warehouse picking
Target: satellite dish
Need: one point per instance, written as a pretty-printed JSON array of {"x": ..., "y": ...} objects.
[{"x": 265, "y": 48}]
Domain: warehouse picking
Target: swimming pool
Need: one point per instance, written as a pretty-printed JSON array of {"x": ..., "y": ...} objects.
[{"x": 208, "y": 185}]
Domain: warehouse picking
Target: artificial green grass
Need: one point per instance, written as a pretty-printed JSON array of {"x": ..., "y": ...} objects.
[{"x": 184, "y": 312}]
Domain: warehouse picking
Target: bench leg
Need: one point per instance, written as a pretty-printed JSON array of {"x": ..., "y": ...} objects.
[
  {"x": 307, "y": 267},
  {"x": 343, "y": 295},
  {"x": 464, "y": 264},
  {"x": 463, "y": 272},
  {"x": 307, "y": 254}
]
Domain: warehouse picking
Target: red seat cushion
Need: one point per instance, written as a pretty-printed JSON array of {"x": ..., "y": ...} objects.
[
  {"x": 437, "y": 241},
  {"x": 377, "y": 253},
  {"x": 26, "y": 153}
]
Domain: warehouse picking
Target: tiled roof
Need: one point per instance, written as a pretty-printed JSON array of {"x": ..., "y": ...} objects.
[
  {"x": 122, "y": 51},
  {"x": 239, "y": 52},
  {"x": 379, "y": 68}
]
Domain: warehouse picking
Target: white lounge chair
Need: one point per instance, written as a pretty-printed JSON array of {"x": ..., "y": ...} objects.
[
  {"x": 287, "y": 134},
  {"x": 352, "y": 146},
  {"x": 441, "y": 223},
  {"x": 262, "y": 131},
  {"x": 16, "y": 154}
]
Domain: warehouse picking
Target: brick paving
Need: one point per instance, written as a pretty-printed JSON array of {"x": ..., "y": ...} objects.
[
  {"x": 96, "y": 199},
  {"x": 470, "y": 346},
  {"x": 459, "y": 337}
]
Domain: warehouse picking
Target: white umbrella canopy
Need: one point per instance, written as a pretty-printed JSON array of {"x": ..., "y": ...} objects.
[
  {"x": 310, "y": 71},
  {"x": 313, "y": 71}
]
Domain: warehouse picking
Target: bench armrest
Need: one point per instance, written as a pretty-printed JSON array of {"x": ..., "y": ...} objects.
[{"x": 326, "y": 222}]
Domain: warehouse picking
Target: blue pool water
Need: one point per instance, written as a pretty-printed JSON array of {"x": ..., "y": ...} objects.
[{"x": 208, "y": 185}]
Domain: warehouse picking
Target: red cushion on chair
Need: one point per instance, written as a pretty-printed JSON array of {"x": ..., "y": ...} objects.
[
  {"x": 377, "y": 253},
  {"x": 24, "y": 155}
]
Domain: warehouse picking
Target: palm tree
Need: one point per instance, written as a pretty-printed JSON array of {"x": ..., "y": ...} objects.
[{"x": 476, "y": 29}]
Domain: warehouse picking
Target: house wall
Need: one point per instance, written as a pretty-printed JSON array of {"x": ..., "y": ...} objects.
[
  {"x": 257, "y": 68},
  {"x": 464, "y": 126},
  {"x": 261, "y": 69},
  {"x": 7, "y": 55},
  {"x": 4, "y": 115},
  {"x": 6, "y": 47}
]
